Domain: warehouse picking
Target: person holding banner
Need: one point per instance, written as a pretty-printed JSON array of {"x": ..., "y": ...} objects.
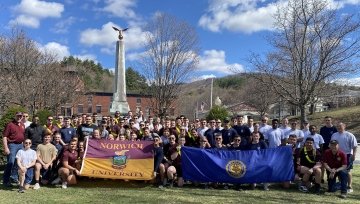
[
  {"x": 159, "y": 168},
  {"x": 310, "y": 166},
  {"x": 68, "y": 171},
  {"x": 175, "y": 168}
]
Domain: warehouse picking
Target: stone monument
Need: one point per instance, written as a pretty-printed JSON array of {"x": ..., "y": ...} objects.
[{"x": 119, "y": 102}]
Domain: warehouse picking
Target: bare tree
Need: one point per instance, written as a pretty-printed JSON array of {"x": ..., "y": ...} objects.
[
  {"x": 259, "y": 96},
  {"x": 313, "y": 44},
  {"x": 172, "y": 54},
  {"x": 32, "y": 78}
]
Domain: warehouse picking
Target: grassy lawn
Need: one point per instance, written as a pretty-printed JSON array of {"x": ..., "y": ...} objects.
[{"x": 111, "y": 191}]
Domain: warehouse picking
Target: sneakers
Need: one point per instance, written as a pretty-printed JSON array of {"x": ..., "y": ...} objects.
[
  {"x": 266, "y": 187},
  {"x": 64, "y": 185},
  {"x": 8, "y": 185},
  {"x": 350, "y": 190},
  {"x": 303, "y": 189},
  {"x": 21, "y": 189},
  {"x": 56, "y": 181},
  {"x": 343, "y": 195},
  {"x": 36, "y": 186}
]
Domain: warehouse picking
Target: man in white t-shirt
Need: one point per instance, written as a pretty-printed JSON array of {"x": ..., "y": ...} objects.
[
  {"x": 347, "y": 144},
  {"x": 264, "y": 127},
  {"x": 285, "y": 126},
  {"x": 305, "y": 128},
  {"x": 274, "y": 137},
  {"x": 26, "y": 159},
  {"x": 294, "y": 131},
  {"x": 318, "y": 139}
]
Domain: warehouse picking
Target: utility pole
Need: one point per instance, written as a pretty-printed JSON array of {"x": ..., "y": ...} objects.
[{"x": 211, "y": 92}]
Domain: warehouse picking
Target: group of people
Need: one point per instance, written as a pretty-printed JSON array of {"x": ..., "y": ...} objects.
[{"x": 53, "y": 152}]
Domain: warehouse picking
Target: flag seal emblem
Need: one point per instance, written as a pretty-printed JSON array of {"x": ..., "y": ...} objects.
[{"x": 236, "y": 168}]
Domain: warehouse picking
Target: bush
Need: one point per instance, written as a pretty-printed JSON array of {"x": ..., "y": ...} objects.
[
  {"x": 43, "y": 114},
  {"x": 217, "y": 112},
  {"x": 5, "y": 119}
]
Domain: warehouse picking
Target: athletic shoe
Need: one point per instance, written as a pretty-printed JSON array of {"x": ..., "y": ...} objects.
[
  {"x": 343, "y": 195},
  {"x": 350, "y": 190},
  {"x": 303, "y": 189},
  {"x": 56, "y": 181},
  {"x": 266, "y": 187},
  {"x": 160, "y": 186},
  {"x": 8, "y": 185},
  {"x": 21, "y": 189},
  {"x": 36, "y": 186},
  {"x": 64, "y": 185}
]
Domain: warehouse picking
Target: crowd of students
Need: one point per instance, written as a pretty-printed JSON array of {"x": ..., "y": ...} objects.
[{"x": 53, "y": 152}]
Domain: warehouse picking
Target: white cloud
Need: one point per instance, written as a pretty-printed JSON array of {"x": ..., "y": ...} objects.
[
  {"x": 135, "y": 56},
  {"x": 348, "y": 81},
  {"x": 214, "y": 60},
  {"x": 106, "y": 37},
  {"x": 87, "y": 57},
  {"x": 63, "y": 25},
  {"x": 27, "y": 21},
  {"x": 56, "y": 49},
  {"x": 203, "y": 77},
  {"x": 30, "y": 12},
  {"x": 248, "y": 16},
  {"x": 122, "y": 9},
  {"x": 238, "y": 15}
]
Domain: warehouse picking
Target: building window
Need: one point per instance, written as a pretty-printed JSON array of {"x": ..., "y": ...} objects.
[
  {"x": 62, "y": 110},
  {"x": 89, "y": 108},
  {"x": 98, "y": 108},
  {"x": 68, "y": 111},
  {"x": 138, "y": 100},
  {"x": 80, "y": 108},
  {"x": 89, "y": 99}
]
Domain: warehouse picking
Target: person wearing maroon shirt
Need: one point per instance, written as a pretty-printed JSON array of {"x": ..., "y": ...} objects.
[
  {"x": 68, "y": 168},
  {"x": 13, "y": 137},
  {"x": 335, "y": 163}
]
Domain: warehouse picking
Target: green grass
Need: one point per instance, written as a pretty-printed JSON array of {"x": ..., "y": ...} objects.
[{"x": 113, "y": 191}]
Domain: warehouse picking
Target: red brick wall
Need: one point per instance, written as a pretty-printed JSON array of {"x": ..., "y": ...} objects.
[{"x": 103, "y": 100}]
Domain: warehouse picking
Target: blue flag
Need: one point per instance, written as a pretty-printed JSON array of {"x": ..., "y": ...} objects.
[{"x": 253, "y": 166}]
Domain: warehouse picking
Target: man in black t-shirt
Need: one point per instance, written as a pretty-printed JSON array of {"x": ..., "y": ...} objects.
[{"x": 310, "y": 165}]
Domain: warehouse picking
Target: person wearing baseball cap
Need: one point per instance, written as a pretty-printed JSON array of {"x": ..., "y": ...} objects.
[
  {"x": 335, "y": 163},
  {"x": 13, "y": 137}
]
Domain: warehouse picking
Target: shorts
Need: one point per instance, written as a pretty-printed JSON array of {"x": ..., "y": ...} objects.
[
  {"x": 29, "y": 175},
  {"x": 349, "y": 162}
]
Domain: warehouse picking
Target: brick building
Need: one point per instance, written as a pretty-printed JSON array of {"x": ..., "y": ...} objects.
[{"x": 99, "y": 102}]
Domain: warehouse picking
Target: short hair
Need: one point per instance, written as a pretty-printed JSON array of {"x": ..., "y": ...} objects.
[
  {"x": 292, "y": 135},
  {"x": 275, "y": 120},
  {"x": 309, "y": 139},
  {"x": 326, "y": 117},
  {"x": 217, "y": 134}
]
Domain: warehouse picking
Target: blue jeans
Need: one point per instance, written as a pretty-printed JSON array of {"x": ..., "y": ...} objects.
[
  {"x": 29, "y": 175},
  {"x": 343, "y": 176},
  {"x": 11, "y": 166}
]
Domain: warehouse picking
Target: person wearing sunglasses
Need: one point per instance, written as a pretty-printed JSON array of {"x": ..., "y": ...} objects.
[
  {"x": 13, "y": 138},
  {"x": 26, "y": 159},
  {"x": 25, "y": 120}
]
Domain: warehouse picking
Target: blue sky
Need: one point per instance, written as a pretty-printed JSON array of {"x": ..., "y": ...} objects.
[{"x": 228, "y": 29}]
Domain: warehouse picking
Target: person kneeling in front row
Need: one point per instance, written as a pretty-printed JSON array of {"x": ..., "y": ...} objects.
[
  {"x": 335, "y": 163},
  {"x": 26, "y": 159},
  {"x": 68, "y": 170},
  {"x": 310, "y": 166}
]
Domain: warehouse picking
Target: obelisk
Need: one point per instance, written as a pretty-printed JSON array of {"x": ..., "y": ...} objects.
[{"x": 119, "y": 102}]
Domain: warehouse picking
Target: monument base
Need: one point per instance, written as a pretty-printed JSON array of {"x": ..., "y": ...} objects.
[{"x": 121, "y": 106}]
